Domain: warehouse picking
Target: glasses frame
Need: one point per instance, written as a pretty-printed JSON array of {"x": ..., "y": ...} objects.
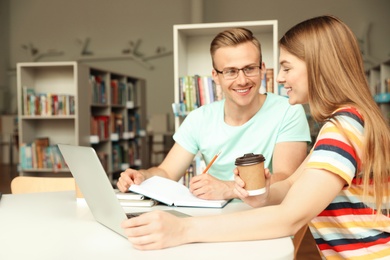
[{"x": 238, "y": 71}]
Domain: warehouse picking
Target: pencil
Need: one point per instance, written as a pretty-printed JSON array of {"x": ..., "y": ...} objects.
[{"x": 211, "y": 162}]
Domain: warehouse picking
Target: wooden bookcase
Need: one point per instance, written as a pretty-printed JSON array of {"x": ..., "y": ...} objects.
[
  {"x": 379, "y": 81},
  {"x": 191, "y": 49},
  {"x": 72, "y": 83}
]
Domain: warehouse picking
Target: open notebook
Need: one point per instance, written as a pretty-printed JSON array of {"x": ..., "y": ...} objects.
[{"x": 173, "y": 193}]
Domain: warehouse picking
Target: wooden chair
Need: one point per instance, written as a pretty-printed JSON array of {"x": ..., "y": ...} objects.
[
  {"x": 28, "y": 184},
  {"x": 305, "y": 246},
  {"x": 298, "y": 237}
]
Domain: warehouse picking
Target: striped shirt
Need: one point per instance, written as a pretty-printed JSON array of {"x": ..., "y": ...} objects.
[{"x": 347, "y": 228}]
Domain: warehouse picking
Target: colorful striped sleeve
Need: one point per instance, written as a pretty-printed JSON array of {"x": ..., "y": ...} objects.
[{"x": 338, "y": 146}]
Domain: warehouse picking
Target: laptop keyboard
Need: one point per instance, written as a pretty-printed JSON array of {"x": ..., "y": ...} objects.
[
  {"x": 132, "y": 215},
  {"x": 174, "y": 212}
]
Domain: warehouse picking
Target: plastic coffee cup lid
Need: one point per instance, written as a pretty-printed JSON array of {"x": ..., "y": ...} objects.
[{"x": 249, "y": 159}]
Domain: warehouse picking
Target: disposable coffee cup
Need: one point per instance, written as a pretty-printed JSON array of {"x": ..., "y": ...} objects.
[{"x": 251, "y": 170}]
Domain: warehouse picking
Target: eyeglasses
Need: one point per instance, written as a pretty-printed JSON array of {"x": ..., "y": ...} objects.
[{"x": 232, "y": 73}]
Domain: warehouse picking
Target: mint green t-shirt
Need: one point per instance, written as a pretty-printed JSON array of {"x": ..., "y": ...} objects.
[{"x": 204, "y": 130}]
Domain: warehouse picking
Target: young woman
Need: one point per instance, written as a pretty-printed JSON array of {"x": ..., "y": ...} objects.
[{"x": 342, "y": 187}]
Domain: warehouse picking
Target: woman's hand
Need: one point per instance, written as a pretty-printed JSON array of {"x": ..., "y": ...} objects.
[
  {"x": 254, "y": 201},
  {"x": 155, "y": 230}
]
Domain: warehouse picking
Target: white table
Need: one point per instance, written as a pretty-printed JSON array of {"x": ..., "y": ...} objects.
[{"x": 56, "y": 226}]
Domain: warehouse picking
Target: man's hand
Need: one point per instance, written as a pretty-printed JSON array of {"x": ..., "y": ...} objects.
[
  {"x": 128, "y": 178},
  {"x": 205, "y": 186}
]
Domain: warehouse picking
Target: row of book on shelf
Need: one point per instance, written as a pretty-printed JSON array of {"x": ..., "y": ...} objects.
[
  {"x": 123, "y": 156},
  {"x": 103, "y": 125},
  {"x": 127, "y": 155},
  {"x": 39, "y": 154},
  {"x": 120, "y": 92},
  {"x": 195, "y": 91},
  {"x": 46, "y": 104}
]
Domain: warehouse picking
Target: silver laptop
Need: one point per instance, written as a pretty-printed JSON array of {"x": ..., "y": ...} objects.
[{"x": 90, "y": 176}]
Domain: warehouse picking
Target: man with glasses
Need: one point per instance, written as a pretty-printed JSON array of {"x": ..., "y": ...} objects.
[
  {"x": 232, "y": 73},
  {"x": 245, "y": 121}
]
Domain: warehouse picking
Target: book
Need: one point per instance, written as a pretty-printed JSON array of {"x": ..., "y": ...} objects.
[
  {"x": 131, "y": 199},
  {"x": 137, "y": 203},
  {"x": 173, "y": 193},
  {"x": 28, "y": 93},
  {"x": 128, "y": 195},
  {"x": 40, "y": 148},
  {"x": 26, "y": 156},
  {"x": 201, "y": 90}
]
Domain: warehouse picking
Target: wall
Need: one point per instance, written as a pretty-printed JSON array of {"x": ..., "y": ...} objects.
[
  {"x": 4, "y": 55},
  {"x": 357, "y": 14},
  {"x": 57, "y": 27}
]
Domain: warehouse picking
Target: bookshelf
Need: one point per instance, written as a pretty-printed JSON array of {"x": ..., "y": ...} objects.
[
  {"x": 58, "y": 102},
  {"x": 45, "y": 91},
  {"x": 118, "y": 120},
  {"x": 191, "y": 49},
  {"x": 379, "y": 82}
]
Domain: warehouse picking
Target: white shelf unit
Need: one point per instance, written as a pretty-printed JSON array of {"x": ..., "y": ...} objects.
[
  {"x": 73, "y": 78},
  {"x": 191, "y": 48},
  {"x": 379, "y": 81},
  {"x": 59, "y": 78}
]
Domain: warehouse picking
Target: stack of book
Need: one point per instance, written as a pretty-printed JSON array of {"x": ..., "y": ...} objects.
[{"x": 131, "y": 199}]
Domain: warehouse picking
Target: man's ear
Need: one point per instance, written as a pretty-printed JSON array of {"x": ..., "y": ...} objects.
[
  {"x": 263, "y": 69},
  {"x": 214, "y": 74}
]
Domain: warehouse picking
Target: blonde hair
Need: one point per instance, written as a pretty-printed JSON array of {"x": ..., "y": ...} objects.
[
  {"x": 336, "y": 79},
  {"x": 233, "y": 37}
]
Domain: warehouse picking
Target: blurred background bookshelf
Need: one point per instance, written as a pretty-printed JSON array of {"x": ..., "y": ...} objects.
[
  {"x": 71, "y": 103},
  {"x": 379, "y": 81}
]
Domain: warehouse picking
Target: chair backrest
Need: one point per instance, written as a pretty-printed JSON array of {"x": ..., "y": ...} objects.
[
  {"x": 297, "y": 240},
  {"x": 29, "y": 184}
]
